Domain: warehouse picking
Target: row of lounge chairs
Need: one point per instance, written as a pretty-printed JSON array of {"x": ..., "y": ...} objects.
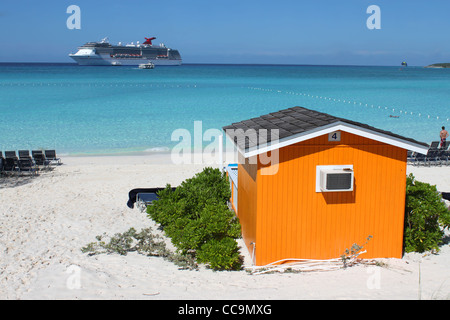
[
  {"x": 24, "y": 162},
  {"x": 435, "y": 156}
]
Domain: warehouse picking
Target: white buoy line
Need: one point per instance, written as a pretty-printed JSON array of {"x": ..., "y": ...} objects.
[
  {"x": 313, "y": 96},
  {"x": 84, "y": 84}
]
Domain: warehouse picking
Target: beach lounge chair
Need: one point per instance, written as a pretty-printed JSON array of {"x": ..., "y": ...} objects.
[
  {"x": 434, "y": 145},
  {"x": 444, "y": 154},
  {"x": 417, "y": 159},
  {"x": 50, "y": 155},
  {"x": 27, "y": 165},
  {"x": 411, "y": 158},
  {"x": 432, "y": 157},
  {"x": 39, "y": 158},
  {"x": 9, "y": 165},
  {"x": 446, "y": 145},
  {"x": 438, "y": 156},
  {"x": 10, "y": 155},
  {"x": 24, "y": 154}
]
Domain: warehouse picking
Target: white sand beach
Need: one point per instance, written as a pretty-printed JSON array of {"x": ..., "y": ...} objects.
[{"x": 45, "y": 221}]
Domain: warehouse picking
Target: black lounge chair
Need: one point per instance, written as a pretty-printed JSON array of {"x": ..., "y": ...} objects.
[
  {"x": 443, "y": 156},
  {"x": 143, "y": 197},
  {"x": 11, "y": 155},
  {"x": 27, "y": 165},
  {"x": 446, "y": 145},
  {"x": 50, "y": 155},
  {"x": 9, "y": 165},
  {"x": 434, "y": 156},
  {"x": 11, "y": 159},
  {"x": 418, "y": 158},
  {"x": 438, "y": 156},
  {"x": 434, "y": 145},
  {"x": 24, "y": 154},
  {"x": 446, "y": 195},
  {"x": 411, "y": 157},
  {"x": 39, "y": 158}
]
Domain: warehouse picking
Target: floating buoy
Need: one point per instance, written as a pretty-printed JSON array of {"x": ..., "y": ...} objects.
[{"x": 405, "y": 112}]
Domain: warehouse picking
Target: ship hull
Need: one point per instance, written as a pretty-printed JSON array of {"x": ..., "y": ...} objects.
[{"x": 107, "y": 61}]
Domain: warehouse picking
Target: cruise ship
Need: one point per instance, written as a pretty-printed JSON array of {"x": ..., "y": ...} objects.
[{"x": 105, "y": 54}]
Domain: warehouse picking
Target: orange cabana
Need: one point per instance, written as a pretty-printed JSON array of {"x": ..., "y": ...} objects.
[{"x": 309, "y": 185}]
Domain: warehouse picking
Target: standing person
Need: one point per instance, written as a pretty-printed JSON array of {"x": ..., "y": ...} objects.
[{"x": 444, "y": 135}]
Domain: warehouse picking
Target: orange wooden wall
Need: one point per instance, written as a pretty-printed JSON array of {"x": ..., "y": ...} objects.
[
  {"x": 247, "y": 190},
  {"x": 285, "y": 218}
]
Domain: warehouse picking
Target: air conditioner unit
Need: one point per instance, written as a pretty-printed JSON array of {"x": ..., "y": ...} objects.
[{"x": 334, "y": 178}]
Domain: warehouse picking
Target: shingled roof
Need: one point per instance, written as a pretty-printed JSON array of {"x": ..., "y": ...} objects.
[{"x": 299, "y": 124}]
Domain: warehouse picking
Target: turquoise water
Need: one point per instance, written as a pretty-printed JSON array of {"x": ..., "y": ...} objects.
[{"x": 96, "y": 110}]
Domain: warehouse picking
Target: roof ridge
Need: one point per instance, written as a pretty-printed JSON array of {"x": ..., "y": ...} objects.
[{"x": 299, "y": 120}]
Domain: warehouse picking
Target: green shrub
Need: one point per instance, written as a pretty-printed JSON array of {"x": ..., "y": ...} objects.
[
  {"x": 426, "y": 216},
  {"x": 220, "y": 254},
  {"x": 197, "y": 219},
  {"x": 187, "y": 201}
]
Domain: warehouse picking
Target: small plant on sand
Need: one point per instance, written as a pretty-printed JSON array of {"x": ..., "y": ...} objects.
[
  {"x": 197, "y": 219},
  {"x": 143, "y": 242},
  {"x": 426, "y": 217},
  {"x": 353, "y": 252}
]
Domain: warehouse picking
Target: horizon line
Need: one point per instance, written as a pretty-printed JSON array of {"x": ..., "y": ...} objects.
[{"x": 224, "y": 64}]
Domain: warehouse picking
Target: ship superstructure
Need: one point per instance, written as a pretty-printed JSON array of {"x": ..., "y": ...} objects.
[{"x": 104, "y": 53}]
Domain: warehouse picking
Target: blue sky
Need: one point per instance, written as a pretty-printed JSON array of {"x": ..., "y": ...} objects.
[{"x": 235, "y": 31}]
